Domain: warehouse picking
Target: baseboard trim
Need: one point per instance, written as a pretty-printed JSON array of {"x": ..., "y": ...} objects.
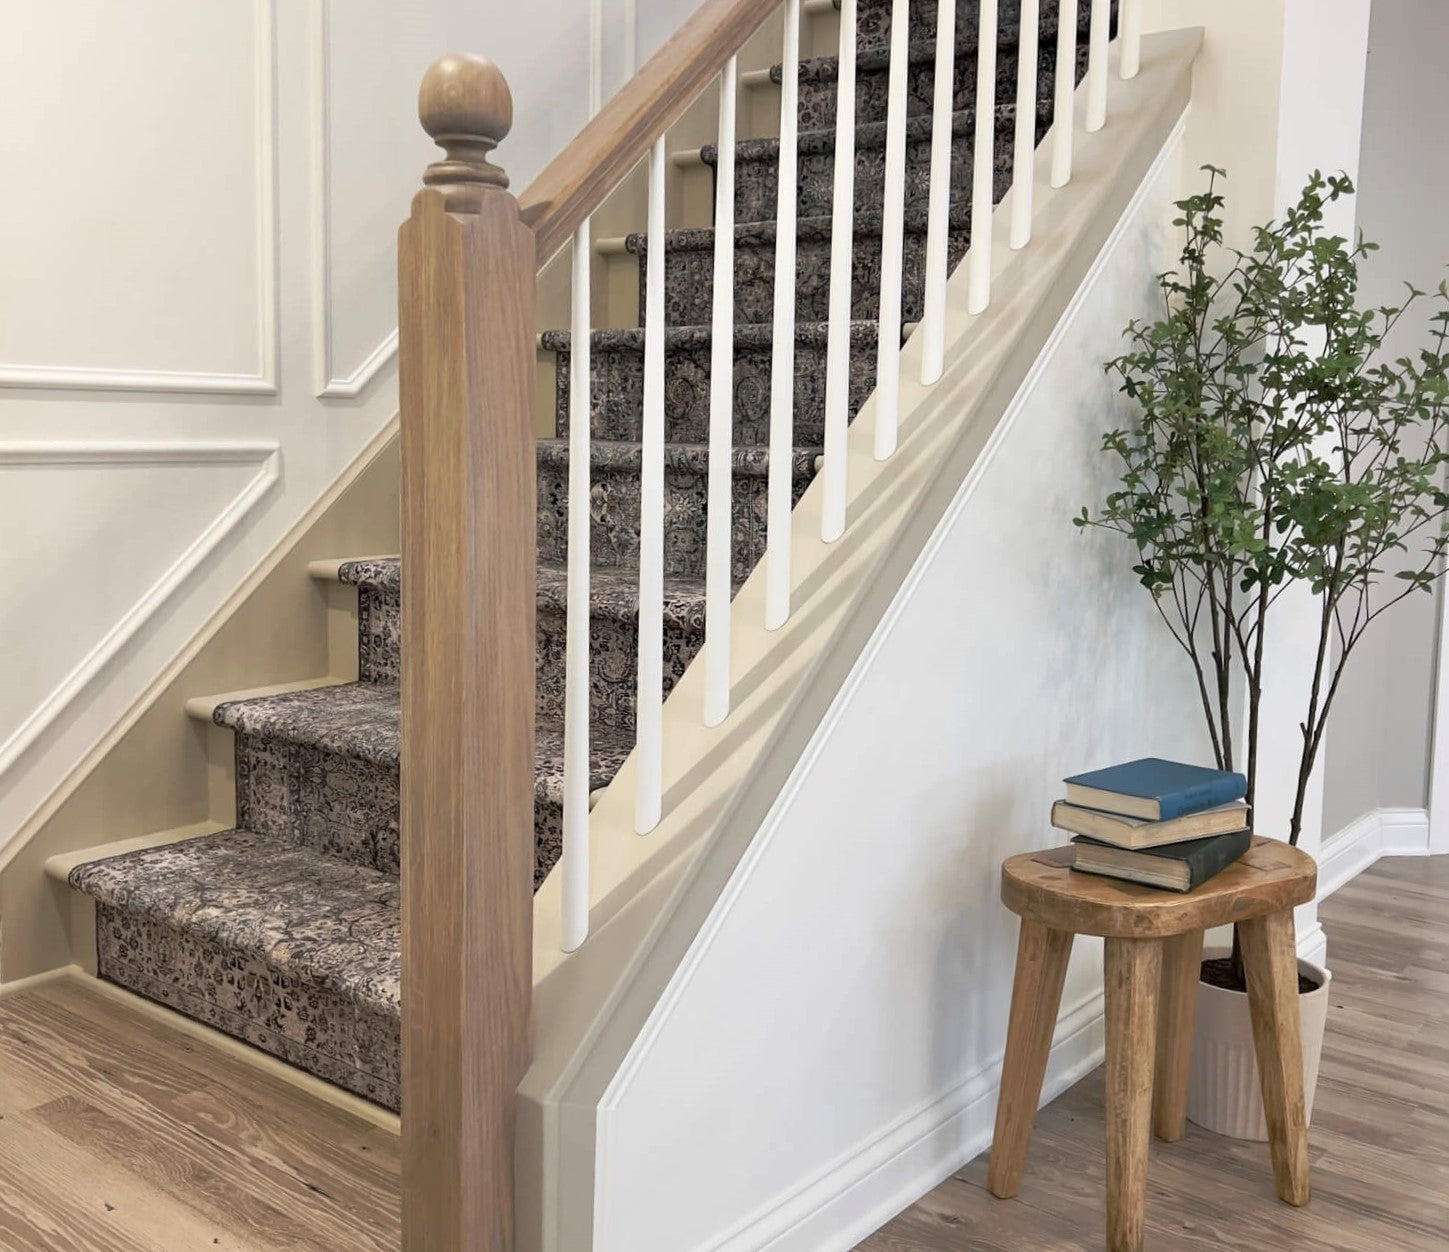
[
  {"x": 1378, "y": 833},
  {"x": 860, "y": 1192}
]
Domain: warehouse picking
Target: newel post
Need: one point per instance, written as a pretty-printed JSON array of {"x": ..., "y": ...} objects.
[{"x": 466, "y": 358}]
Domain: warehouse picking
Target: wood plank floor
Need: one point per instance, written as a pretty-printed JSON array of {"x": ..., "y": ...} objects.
[
  {"x": 120, "y": 1134},
  {"x": 1379, "y": 1145}
]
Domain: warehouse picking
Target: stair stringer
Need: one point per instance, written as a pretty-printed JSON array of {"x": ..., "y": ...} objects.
[{"x": 652, "y": 897}]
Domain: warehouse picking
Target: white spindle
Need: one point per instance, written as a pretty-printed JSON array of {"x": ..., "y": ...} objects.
[
  {"x": 782, "y": 353},
  {"x": 842, "y": 247},
  {"x": 575, "y": 867},
  {"x": 892, "y": 240},
  {"x": 1023, "y": 158},
  {"x": 649, "y": 750},
  {"x": 938, "y": 221},
  {"x": 983, "y": 162},
  {"x": 1131, "y": 36},
  {"x": 1098, "y": 32},
  {"x": 1063, "y": 113},
  {"x": 719, "y": 510}
]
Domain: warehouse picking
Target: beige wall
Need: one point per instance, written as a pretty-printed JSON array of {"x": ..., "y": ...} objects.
[{"x": 1379, "y": 742}]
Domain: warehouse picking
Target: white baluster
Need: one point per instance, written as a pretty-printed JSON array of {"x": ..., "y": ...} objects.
[
  {"x": 575, "y": 859},
  {"x": 983, "y": 162},
  {"x": 1098, "y": 32},
  {"x": 1023, "y": 158},
  {"x": 1131, "y": 36},
  {"x": 1063, "y": 114},
  {"x": 842, "y": 248},
  {"x": 649, "y": 717},
  {"x": 719, "y": 510},
  {"x": 892, "y": 240},
  {"x": 938, "y": 221},
  {"x": 782, "y": 352}
]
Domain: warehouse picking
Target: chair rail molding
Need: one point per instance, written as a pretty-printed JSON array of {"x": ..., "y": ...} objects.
[
  {"x": 264, "y": 454},
  {"x": 328, "y": 385},
  {"x": 263, "y": 381}
]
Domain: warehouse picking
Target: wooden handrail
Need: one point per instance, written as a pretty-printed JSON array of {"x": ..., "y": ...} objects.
[
  {"x": 466, "y": 283},
  {"x": 576, "y": 181}
]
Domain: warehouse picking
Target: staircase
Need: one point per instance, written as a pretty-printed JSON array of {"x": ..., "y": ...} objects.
[{"x": 285, "y": 931}]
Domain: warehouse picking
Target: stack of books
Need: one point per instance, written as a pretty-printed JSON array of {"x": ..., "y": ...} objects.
[{"x": 1156, "y": 822}]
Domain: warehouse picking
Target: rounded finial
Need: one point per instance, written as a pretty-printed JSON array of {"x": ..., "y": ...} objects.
[{"x": 465, "y": 105}]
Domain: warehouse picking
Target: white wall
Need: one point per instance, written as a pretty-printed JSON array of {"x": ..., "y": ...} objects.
[
  {"x": 196, "y": 238},
  {"x": 1379, "y": 746},
  {"x": 863, "y": 929}
]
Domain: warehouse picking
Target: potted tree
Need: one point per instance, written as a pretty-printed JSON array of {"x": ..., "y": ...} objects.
[{"x": 1276, "y": 443}]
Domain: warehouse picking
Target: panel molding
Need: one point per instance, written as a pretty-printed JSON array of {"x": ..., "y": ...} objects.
[
  {"x": 265, "y": 455},
  {"x": 263, "y": 381},
  {"x": 326, "y": 384}
]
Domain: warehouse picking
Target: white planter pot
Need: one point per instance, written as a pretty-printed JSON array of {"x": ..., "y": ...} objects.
[{"x": 1224, "y": 1095}]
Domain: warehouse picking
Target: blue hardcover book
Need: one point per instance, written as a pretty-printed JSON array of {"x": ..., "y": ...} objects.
[{"x": 1156, "y": 789}]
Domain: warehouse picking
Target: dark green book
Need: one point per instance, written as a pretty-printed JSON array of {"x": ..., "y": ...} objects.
[{"x": 1173, "y": 866}]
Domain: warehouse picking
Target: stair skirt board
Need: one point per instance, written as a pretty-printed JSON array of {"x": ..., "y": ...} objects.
[{"x": 284, "y": 932}]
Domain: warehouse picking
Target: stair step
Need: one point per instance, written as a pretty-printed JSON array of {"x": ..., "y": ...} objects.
[
  {"x": 614, "y": 503},
  {"x": 689, "y": 268},
  {"x": 617, "y": 381},
  {"x": 757, "y": 164},
  {"x": 271, "y": 942},
  {"x": 320, "y": 768},
  {"x": 819, "y": 77}
]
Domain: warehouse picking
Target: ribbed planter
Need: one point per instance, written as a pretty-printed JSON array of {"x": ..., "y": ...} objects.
[{"x": 1224, "y": 1095}]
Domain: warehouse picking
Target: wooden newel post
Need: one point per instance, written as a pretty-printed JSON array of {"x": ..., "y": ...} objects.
[{"x": 466, "y": 278}]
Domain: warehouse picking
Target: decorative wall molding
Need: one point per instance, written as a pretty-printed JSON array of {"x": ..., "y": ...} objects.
[
  {"x": 1378, "y": 833},
  {"x": 266, "y": 455},
  {"x": 326, "y": 385},
  {"x": 264, "y": 380}
]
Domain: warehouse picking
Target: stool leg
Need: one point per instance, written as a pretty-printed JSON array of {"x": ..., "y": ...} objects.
[
  {"x": 1036, "y": 996},
  {"x": 1270, "y": 959},
  {"x": 1176, "y": 1011},
  {"x": 1133, "y": 970}
]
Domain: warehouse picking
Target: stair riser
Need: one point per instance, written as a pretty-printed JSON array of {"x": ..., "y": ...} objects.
[
  {"x": 756, "y": 180},
  {"x": 379, "y": 635},
  {"x": 617, "y": 400},
  {"x": 689, "y": 280},
  {"x": 336, "y": 805},
  {"x": 614, "y": 510},
  {"x": 613, "y": 662},
  {"x": 613, "y": 676},
  {"x": 343, "y": 807},
  {"x": 301, "y": 1023}
]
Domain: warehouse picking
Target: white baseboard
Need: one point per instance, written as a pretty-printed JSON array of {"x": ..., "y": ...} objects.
[
  {"x": 1378, "y": 833},
  {"x": 880, "y": 1178}
]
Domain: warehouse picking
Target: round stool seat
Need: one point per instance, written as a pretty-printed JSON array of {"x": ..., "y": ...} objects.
[{"x": 1043, "y": 888}]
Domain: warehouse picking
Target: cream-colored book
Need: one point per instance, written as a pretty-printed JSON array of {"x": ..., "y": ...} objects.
[{"x": 1138, "y": 832}]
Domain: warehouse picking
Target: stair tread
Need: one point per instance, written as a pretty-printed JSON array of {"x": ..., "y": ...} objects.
[
  {"x": 360, "y": 720},
  {"x": 814, "y": 227},
  {"x": 321, "y": 920},
  {"x": 749, "y": 460},
  {"x": 612, "y": 586}
]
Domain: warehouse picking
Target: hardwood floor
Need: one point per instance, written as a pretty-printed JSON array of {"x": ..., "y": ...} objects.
[
  {"x": 1379, "y": 1145},
  {"x": 121, "y": 1134}
]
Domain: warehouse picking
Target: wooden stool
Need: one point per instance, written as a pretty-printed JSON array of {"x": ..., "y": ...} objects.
[{"x": 1153, "y": 950}]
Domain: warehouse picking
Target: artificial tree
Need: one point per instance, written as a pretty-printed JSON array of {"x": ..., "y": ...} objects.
[{"x": 1277, "y": 443}]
